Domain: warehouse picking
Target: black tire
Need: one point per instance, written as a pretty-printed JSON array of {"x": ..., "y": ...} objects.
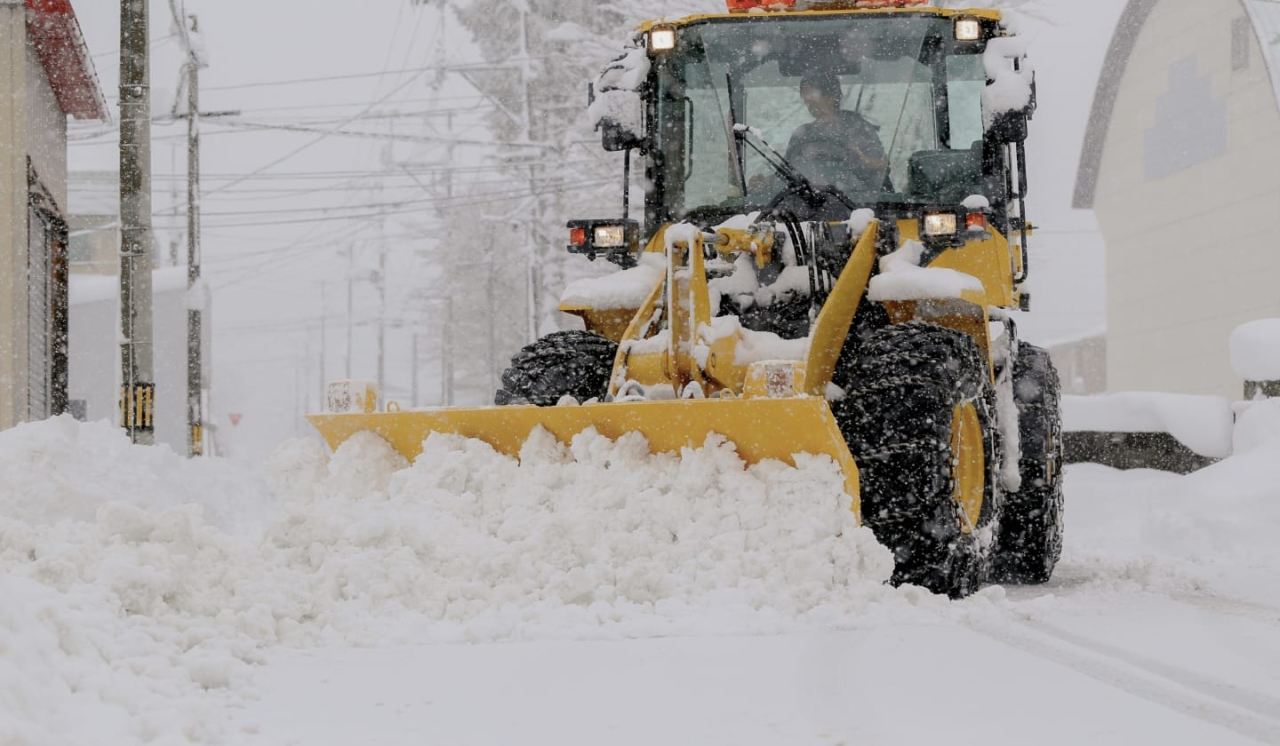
[
  {"x": 1030, "y": 536},
  {"x": 907, "y": 382},
  {"x": 573, "y": 363}
]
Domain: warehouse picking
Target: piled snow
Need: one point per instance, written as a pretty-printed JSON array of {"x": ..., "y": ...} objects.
[
  {"x": 1257, "y": 425},
  {"x": 1212, "y": 532},
  {"x": 106, "y": 630},
  {"x": 1255, "y": 350},
  {"x": 741, "y": 285},
  {"x": 756, "y": 347},
  {"x": 1201, "y": 423},
  {"x": 859, "y": 220},
  {"x": 752, "y": 346},
  {"x": 138, "y": 584},
  {"x": 627, "y": 288},
  {"x": 902, "y": 278}
]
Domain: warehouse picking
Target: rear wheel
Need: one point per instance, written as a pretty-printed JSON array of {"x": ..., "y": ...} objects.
[
  {"x": 572, "y": 363},
  {"x": 920, "y": 421},
  {"x": 1030, "y": 537}
]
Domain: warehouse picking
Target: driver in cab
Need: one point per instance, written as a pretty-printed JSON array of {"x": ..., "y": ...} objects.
[{"x": 838, "y": 148}]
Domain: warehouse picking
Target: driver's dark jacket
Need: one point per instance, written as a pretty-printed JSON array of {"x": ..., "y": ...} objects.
[{"x": 824, "y": 152}]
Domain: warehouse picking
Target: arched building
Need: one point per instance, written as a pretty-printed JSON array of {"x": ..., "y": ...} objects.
[{"x": 1181, "y": 164}]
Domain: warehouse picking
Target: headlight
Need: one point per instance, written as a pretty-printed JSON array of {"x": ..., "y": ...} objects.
[
  {"x": 610, "y": 236},
  {"x": 662, "y": 40},
  {"x": 968, "y": 29},
  {"x": 940, "y": 224}
]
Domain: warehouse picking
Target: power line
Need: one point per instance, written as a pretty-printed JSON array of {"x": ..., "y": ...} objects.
[
  {"x": 356, "y": 76},
  {"x": 322, "y": 137}
]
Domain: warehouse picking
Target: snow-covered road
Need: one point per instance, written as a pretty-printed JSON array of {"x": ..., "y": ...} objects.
[
  {"x": 1125, "y": 646},
  {"x": 469, "y": 599},
  {"x": 1002, "y": 681}
]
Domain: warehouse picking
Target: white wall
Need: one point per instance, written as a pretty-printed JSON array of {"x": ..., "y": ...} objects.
[
  {"x": 94, "y": 349},
  {"x": 46, "y": 131},
  {"x": 1187, "y": 202}
]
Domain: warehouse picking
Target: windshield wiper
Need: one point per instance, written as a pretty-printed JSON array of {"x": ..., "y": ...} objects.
[
  {"x": 739, "y": 155},
  {"x": 799, "y": 183}
]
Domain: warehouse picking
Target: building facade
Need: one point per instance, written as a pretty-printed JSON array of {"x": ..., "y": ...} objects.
[
  {"x": 1181, "y": 164},
  {"x": 46, "y": 75}
]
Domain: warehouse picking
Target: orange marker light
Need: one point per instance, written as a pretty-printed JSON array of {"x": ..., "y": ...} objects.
[
  {"x": 578, "y": 236},
  {"x": 975, "y": 221}
]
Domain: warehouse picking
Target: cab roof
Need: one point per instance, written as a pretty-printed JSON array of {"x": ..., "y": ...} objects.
[{"x": 756, "y": 14}]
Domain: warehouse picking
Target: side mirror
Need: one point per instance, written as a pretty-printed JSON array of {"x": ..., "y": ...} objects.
[
  {"x": 619, "y": 115},
  {"x": 1009, "y": 127},
  {"x": 615, "y": 138}
]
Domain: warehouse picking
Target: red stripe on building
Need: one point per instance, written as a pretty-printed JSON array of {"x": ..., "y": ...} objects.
[{"x": 55, "y": 33}]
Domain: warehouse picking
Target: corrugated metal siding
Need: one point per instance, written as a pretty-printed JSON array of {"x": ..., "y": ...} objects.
[{"x": 39, "y": 349}]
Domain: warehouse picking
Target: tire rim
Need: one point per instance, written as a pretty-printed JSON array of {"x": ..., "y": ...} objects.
[{"x": 968, "y": 464}]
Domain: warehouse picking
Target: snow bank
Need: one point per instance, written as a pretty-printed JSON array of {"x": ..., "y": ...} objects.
[
  {"x": 1255, "y": 350},
  {"x": 139, "y": 585},
  {"x": 1209, "y": 533},
  {"x": 107, "y": 634},
  {"x": 902, "y": 278},
  {"x": 625, "y": 288},
  {"x": 1202, "y": 423},
  {"x": 1257, "y": 425}
]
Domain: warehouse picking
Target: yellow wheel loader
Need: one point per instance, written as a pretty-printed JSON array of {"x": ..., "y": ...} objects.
[{"x": 847, "y": 293}]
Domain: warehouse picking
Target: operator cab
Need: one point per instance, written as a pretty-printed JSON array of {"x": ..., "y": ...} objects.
[{"x": 723, "y": 123}]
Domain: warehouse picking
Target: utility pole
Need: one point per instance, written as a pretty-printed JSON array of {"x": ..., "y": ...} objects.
[
  {"x": 388, "y": 159},
  {"x": 138, "y": 389},
  {"x": 382, "y": 313},
  {"x": 324, "y": 333},
  {"x": 413, "y": 372},
  {"x": 195, "y": 298},
  {"x": 351, "y": 269},
  {"x": 531, "y": 251}
]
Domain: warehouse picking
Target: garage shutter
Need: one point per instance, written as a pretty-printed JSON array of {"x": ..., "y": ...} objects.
[{"x": 40, "y": 328}]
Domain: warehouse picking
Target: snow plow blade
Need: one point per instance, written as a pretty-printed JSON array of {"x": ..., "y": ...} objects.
[{"x": 761, "y": 428}]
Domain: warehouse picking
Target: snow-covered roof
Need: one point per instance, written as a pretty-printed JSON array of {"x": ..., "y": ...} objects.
[
  {"x": 1265, "y": 18},
  {"x": 93, "y": 193},
  {"x": 101, "y": 288},
  {"x": 55, "y": 34}
]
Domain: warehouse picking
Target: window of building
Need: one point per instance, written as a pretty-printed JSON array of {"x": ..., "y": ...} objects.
[{"x": 1241, "y": 27}]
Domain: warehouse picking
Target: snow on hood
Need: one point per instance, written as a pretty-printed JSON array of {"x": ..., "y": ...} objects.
[
  {"x": 902, "y": 278},
  {"x": 627, "y": 288}
]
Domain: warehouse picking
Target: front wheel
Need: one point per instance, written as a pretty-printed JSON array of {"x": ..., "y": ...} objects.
[
  {"x": 920, "y": 421},
  {"x": 1030, "y": 538},
  {"x": 572, "y": 363}
]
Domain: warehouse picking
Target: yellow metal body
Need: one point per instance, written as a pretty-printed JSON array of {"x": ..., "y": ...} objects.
[
  {"x": 672, "y": 346},
  {"x": 969, "y": 459}
]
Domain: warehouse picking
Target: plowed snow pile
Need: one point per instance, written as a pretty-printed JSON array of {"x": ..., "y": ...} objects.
[{"x": 137, "y": 585}]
